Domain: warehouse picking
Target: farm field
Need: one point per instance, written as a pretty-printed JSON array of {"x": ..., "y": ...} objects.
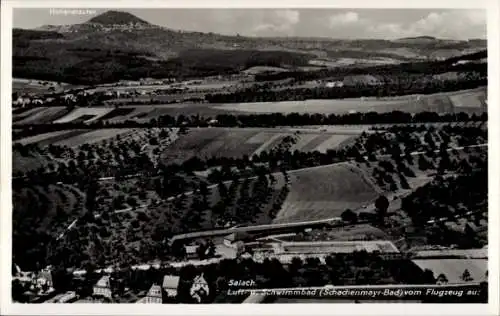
[
  {"x": 470, "y": 101},
  {"x": 89, "y": 114},
  {"x": 475, "y": 100},
  {"x": 46, "y": 139},
  {"x": 454, "y": 268},
  {"x": 334, "y": 141},
  {"x": 147, "y": 112},
  {"x": 439, "y": 102},
  {"x": 167, "y": 98},
  {"x": 93, "y": 137},
  {"x": 45, "y": 115},
  {"x": 313, "y": 106},
  {"x": 25, "y": 113},
  {"x": 236, "y": 142},
  {"x": 208, "y": 142},
  {"x": 324, "y": 192},
  {"x": 42, "y": 137},
  {"x": 133, "y": 113}
]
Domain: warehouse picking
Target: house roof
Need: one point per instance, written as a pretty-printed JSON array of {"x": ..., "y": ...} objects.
[
  {"x": 103, "y": 282},
  {"x": 230, "y": 237},
  {"x": 170, "y": 281},
  {"x": 236, "y": 236},
  {"x": 154, "y": 291}
]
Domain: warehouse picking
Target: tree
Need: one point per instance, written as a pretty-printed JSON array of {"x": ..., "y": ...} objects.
[
  {"x": 60, "y": 214},
  {"x": 382, "y": 204},
  {"x": 466, "y": 276},
  {"x": 132, "y": 201},
  {"x": 61, "y": 279},
  {"x": 91, "y": 195},
  {"x": 442, "y": 279},
  {"x": 349, "y": 216},
  {"x": 423, "y": 163},
  {"x": 428, "y": 277}
]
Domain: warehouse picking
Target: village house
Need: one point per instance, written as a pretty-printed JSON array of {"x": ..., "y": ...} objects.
[
  {"x": 154, "y": 296},
  {"x": 200, "y": 289},
  {"x": 170, "y": 284},
  {"x": 37, "y": 102},
  {"x": 69, "y": 97},
  {"x": 42, "y": 282},
  {"x": 191, "y": 251},
  {"x": 103, "y": 287},
  {"x": 213, "y": 122},
  {"x": 334, "y": 84}
]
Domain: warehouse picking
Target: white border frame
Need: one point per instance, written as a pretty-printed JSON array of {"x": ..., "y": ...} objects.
[{"x": 9, "y": 308}]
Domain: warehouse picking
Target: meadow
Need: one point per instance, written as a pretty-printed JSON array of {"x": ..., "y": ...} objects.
[{"x": 325, "y": 192}]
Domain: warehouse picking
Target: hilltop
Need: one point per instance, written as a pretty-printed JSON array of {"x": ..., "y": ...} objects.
[
  {"x": 117, "y": 18},
  {"x": 421, "y": 38}
]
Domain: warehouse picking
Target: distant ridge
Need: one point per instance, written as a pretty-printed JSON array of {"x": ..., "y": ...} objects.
[
  {"x": 425, "y": 37},
  {"x": 109, "y": 18}
]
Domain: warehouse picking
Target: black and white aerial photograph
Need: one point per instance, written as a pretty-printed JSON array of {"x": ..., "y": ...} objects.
[{"x": 264, "y": 156}]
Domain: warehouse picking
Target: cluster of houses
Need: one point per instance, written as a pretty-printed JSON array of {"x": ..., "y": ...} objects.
[
  {"x": 157, "y": 294},
  {"x": 38, "y": 284},
  {"x": 27, "y": 100},
  {"x": 145, "y": 81},
  {"x": 37, "y": 100}
]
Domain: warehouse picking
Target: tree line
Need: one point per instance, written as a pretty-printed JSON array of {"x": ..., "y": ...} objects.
[
  {"x": 256, "y": 120},
  {"x": 347, "y": 91}
]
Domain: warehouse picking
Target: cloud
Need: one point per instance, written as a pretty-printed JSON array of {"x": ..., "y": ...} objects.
[
  {"x": 344, "y": 18},
  {"x": 455, "y": 24},
  {"x": 452, "y": 24},
  {"x": 277, "y": 22},
  {"x": 290, "y": 17}
]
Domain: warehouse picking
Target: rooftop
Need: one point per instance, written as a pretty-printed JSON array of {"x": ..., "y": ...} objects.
[
  {"x": 103, "y": 282},
  {"x": 170, "y": 281},
  {"x": 155, "y": 291}
]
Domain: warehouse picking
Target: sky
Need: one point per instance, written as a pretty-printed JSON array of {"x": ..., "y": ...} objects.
[{"x": 456, "y": 24}]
